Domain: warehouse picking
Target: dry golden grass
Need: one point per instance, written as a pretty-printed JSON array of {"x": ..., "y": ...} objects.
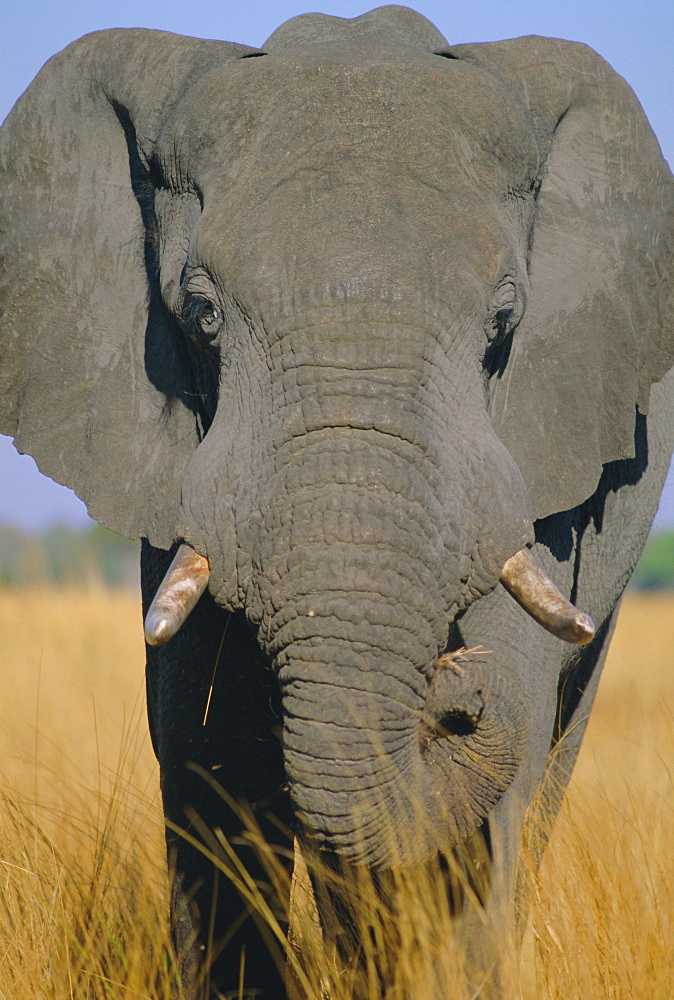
[
  {"x": 82, "y": 876},
  {"x": 82, "y": 879},
  {"x": 603, "y": 916}
]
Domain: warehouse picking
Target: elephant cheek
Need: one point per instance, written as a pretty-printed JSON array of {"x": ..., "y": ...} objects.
[{"x": 207, "y": 521}]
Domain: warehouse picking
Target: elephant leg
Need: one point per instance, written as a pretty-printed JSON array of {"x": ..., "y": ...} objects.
[
  {"x": 329, "y": 898},
  {"x": 359, "y": 918},
  {"x": 221, "y": 938},
  {"x": 215, "y": 721},
  {"x": 305, "y": 934}
]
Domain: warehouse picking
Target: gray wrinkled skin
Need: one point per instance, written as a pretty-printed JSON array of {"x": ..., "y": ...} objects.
[{"x": 357, "y": 315}]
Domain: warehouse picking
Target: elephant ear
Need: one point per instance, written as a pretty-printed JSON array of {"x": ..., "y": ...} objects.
[
  {"x": 91, "y": 379},
  {"x": 598, "y": 329}
]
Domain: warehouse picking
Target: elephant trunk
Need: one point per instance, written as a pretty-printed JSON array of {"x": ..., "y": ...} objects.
[
  {"x": 391, "y": 778},
  {"x": 365, "y": 521},
  {"x": 391, "y": 754}
]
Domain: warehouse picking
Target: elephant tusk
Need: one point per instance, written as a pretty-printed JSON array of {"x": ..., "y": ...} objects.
[
  {"x": 185, "y": 581},
  {"x": 524, "y": 580}
]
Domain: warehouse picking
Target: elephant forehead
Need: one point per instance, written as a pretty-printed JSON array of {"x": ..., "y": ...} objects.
[
  {"x": 396, "y": 24},
  {"x": 331, "y": 236},
  {"x": 419, "y": 111}
]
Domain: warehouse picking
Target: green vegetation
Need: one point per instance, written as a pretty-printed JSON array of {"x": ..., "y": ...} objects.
[
  {"x": 65, "y": 555},
  {"x": 655, "y": 569}
]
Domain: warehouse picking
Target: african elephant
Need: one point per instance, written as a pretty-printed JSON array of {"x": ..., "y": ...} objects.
[{"x": 378, "y": 328}]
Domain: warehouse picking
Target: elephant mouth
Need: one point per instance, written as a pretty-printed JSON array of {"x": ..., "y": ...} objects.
[{"x": 188, "y": 575}]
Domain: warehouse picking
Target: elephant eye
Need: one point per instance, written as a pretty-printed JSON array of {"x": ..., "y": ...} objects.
[
  {"x": 505, "y": 312},
  {"x": 201, "y": 316},
  {"x": 501, "y": 324}
]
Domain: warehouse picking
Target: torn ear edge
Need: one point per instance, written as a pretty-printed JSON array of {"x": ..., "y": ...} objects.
[{"x": 597, "y": 333}]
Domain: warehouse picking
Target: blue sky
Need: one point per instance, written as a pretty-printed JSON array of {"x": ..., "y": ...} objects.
[{"x": 637, "y": 39}]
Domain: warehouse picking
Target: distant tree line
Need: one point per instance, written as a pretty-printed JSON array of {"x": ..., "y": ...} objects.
[
  {"x": 67, "y": 555},
  {"x": 655, "y": 570},
  {"x": 96, "y": 555}
]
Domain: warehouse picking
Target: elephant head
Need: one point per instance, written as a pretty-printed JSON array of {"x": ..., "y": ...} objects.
[{"x": 345, "y": 315}]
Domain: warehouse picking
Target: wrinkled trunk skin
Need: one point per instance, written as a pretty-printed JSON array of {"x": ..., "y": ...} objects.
[
  {"x": 390, "y": 779},
  {"x": 393, "y": 753},
  {"x": 363, "y": 522},
  {"x": 390, "y": 755}
]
